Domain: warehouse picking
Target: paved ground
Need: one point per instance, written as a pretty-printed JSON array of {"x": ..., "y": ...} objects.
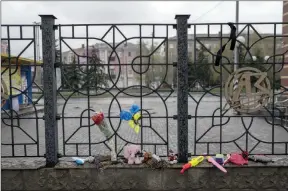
[{"x": 232, "y": 128}]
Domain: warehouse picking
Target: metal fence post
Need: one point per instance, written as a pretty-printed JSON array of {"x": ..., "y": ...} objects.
[
  {"x": 182, "y": 87},
  {"x": 50, "y": 94}
]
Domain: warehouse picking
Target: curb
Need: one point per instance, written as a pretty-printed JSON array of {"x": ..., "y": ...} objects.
[{"x": 3, "y": 114}]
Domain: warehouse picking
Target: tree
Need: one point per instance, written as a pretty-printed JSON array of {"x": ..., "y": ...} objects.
[
  {"x": 201, "y": 70},
  {"x": 72, "y": 75},
  {"x": 256, "y": 62},
  {"x": 259, "y": 63},
  {"x": 94, "y": 76},
  {"x": 80, "y": 77}
]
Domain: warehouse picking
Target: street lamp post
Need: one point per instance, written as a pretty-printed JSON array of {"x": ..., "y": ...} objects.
[
  {"x": 236, "y": 52},
  {"x": 38, "y": 70},
  {"x": 37, "y": 39}
]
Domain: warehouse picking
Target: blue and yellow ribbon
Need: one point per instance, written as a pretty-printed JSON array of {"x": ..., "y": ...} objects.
[{"x": 132, "y": 116}]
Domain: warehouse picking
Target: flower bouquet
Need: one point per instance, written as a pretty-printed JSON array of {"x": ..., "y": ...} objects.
[{"x": 99, "y": 120}]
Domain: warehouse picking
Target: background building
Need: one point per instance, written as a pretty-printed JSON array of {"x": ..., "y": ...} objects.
[
  {"x": 284, "y": 72},
  {"x": 262, "y": 48},
  {"x": 121, "y": 60}
]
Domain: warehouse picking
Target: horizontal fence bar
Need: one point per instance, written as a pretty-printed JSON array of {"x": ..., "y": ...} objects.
[
  {"x": 137, "y": 24},
  {"x": 156, "y": 117}
]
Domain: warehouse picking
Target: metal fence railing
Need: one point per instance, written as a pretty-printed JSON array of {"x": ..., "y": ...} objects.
[{"x": 187, "y": 102}]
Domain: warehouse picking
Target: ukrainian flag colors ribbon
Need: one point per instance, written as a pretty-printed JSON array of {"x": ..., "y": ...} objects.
[{"x": 132, "y": 116}]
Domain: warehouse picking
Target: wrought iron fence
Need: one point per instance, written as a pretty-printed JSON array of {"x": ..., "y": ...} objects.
[
  {"x": 220, "y": 129},
  {"x": 112, "y": 97},
  {"x": 22, "y": 133},
  {"x": 187, "y": 102}
]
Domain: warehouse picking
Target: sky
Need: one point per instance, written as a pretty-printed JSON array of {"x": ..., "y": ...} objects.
[
  {"x": 97, "y": 12},
  {"x": 69, "y": 12}
]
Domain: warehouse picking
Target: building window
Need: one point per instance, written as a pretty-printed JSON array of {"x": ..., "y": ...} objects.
[
  {"x": 120, "y": 54},
  {"x": 129, "y": 53},
  {"x": 171, "y": 46}
]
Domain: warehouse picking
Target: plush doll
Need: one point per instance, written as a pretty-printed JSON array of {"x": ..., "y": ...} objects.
[
  {"x": 131, "y": 154},
  {"x": 172, "y": 157},
  {"x": 153, "y": 161},
  {"x": 147, "y": 156}
]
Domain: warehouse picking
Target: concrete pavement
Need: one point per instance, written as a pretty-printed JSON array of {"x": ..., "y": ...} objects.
[{"x": 157, "y": 130}]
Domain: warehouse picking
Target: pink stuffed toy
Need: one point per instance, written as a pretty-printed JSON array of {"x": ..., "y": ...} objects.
[{"x": 131, "y": 154}]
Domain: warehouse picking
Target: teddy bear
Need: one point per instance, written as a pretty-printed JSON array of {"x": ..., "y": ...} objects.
[
  {"x": 172, "y": 157},
  {"x": 131, "y": 154}
]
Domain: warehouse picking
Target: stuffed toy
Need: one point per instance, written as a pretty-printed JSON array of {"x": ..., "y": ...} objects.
[
  {"x": 131, "y": 154},
  {"x": 153, "y": 161},
  {"x": 147, "y": 156},
  {"x": 172, "y": 157}
]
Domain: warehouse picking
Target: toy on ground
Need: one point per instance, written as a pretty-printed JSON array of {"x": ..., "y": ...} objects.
[
  {"x": 260, "y": 158},
  {"x": 131, "y": 153},
  {"x": 219, "y": 158},
  {"x": 210, "y": 159},
  {"x": 172, "y": 157},
  {"x": 192, "y": 163},
  {"x": 146, "y": 156},
  {"x": 99, "y": 120},
  {"x": 237, "y": 158},
  {"x": 78, "y": 161},
  {"x": 132, "y": 116},
  {"x": 153, "y": 161}
]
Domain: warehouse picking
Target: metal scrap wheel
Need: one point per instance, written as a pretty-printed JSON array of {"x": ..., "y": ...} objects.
[{"x": 254, "y": 103}]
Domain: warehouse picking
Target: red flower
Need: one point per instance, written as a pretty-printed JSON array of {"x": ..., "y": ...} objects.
[{"x": 98, "y": 118}]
